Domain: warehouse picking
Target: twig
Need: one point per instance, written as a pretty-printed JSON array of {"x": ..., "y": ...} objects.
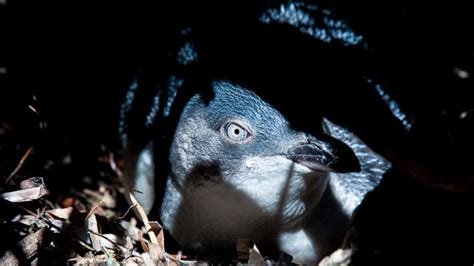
[
  {"x": 113, "y": 166},
  {"x": 45, "y": 219},
  {"x": 129, "y": 208},
  {"x": 20, "y": 164},
  {"x": 33, "y": 109},
  {"x": 82, "y": 243},
  {"x": 95, "y": 208},
  {"x": 169, "y": 256},
  {"x": 37, "y": 216},
  {"x": 26, "y": 210}
]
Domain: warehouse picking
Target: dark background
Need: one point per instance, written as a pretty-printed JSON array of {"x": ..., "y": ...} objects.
[{"x": 78, "y": 58}]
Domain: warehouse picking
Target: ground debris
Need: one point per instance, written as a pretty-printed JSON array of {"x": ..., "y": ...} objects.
[
  {"x": 30, "y": 189},
  {"x": 29, "y": 246},
  {"x": 87, "y": 222}
]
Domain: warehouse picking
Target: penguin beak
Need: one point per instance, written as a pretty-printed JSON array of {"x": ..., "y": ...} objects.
[{"x": 325, "y": 156}]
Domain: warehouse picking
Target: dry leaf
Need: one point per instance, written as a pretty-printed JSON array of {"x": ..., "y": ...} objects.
[
  {"x": 248, "y": 253},
  {"x": 128, "y": 243},
  {"x": 131, "y": 228},
  {"x": 340, "y": 257},
  {"x": 9, "y": 258},
  {"x": 68, "y": 202},
  {"x": 103, "y": 194},
  {"x": 34, "y": 189},
  {"x": 156, "y": 253},
  {"x": 29, "y": 245},
  {"x": 91, "y": 224},
  {"x": 109, "y": 241},
  {"x": 101, "y": 259},
  {"x": 27, "y": 220},
  {"x": 243, "y": 249},
  {"x": 158, "y": 230},
  {"x": 147, "y": 259},
  {"x": 63, "y": 213},
  {"x": 32, "y": 182},
  {"x": 255, "y": 258},
  {"x": 133, "y": 261}
]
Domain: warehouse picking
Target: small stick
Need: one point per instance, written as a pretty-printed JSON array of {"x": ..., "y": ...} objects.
[
  {"x": 20, "y": 164},
  {"x": 129, "y": 208}
]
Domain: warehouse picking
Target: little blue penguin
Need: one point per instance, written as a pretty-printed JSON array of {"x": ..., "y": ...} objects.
[{"x": 237, "y": 169}]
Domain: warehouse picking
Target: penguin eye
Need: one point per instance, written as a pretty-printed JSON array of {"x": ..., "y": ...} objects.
[{"x": 235, "y": 132}]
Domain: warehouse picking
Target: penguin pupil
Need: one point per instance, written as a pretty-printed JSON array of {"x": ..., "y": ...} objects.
[{"x": 236, "y": 131}]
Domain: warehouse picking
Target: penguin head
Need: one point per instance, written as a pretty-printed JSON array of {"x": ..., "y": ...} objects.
[{"x": 238, "y": 139}]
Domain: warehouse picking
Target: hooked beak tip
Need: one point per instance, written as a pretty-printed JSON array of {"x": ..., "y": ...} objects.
[{"x": 316, "y": 159}]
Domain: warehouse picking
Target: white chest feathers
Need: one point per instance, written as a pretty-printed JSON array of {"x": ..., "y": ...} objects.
[{"x": 270, "y": 197}]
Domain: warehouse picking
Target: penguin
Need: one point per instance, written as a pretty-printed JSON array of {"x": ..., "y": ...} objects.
[
  {"x": 218, "y": 151},
  {"x": 237, "y": 169}
]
